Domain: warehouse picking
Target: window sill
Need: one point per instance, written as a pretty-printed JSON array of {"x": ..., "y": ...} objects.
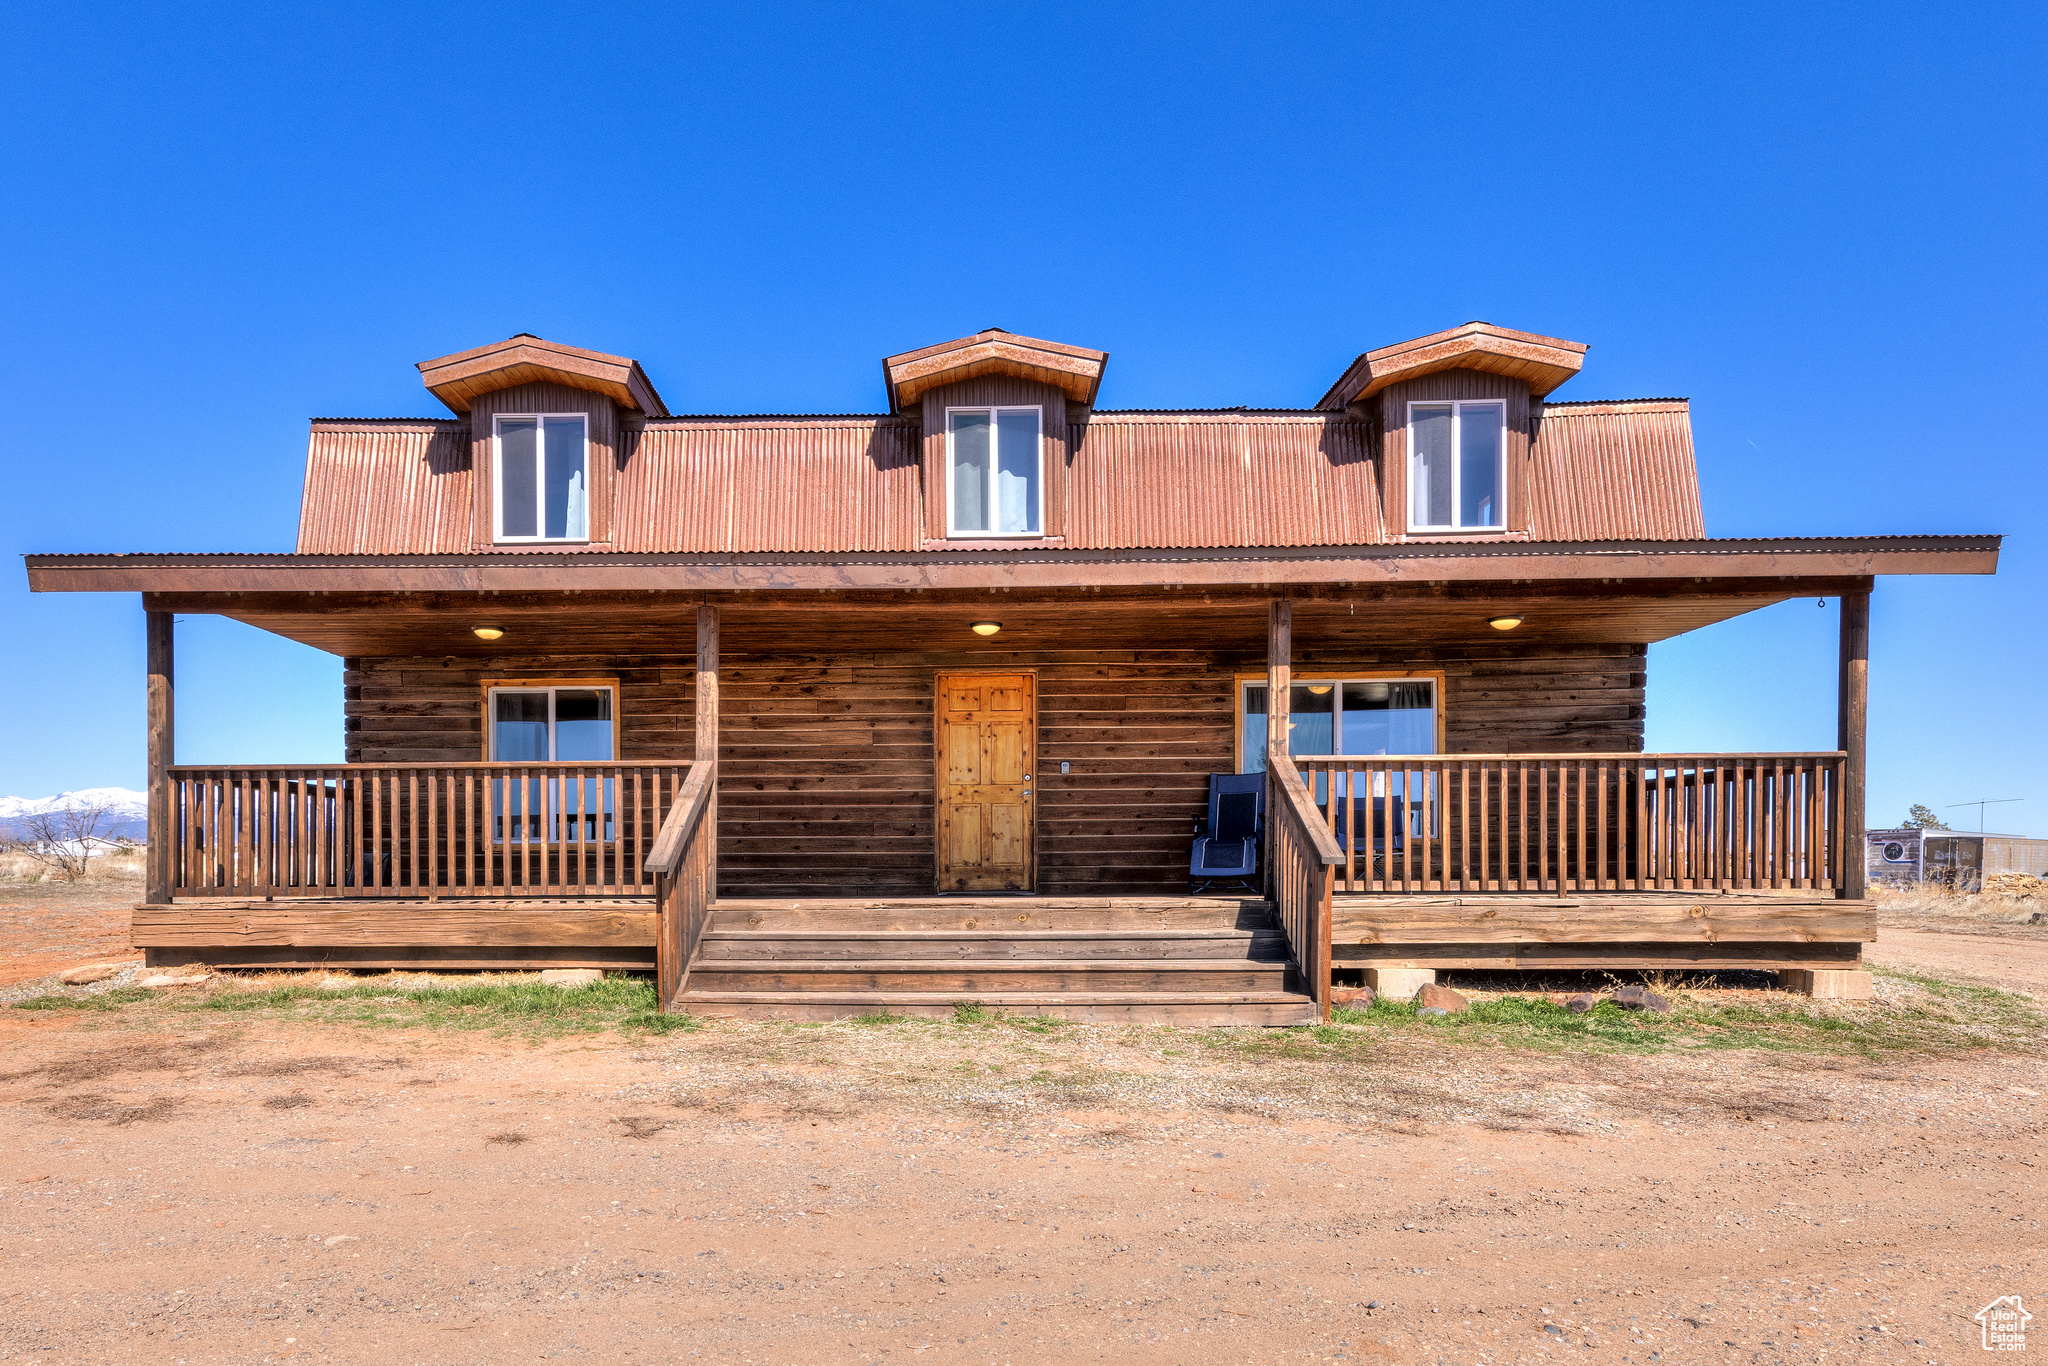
[
  {"x": 1469, "y": 533},
  {"x": 993, "y": 542}
]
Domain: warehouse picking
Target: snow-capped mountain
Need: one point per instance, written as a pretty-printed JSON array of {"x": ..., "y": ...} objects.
[{"x": 127, "y": 812}]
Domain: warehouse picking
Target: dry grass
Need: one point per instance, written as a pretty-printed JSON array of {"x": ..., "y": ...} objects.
[
  {"x": 19, "y": 868},
  {"x": 1937, "y": 906}
]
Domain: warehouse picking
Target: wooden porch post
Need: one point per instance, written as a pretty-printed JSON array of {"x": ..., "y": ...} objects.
[
  {"x": 1851, "y": 711},
  {"x": 162, "y": 754},
  {"x": 707, "y": 734},
  {"x": 1279, "y": 692}
]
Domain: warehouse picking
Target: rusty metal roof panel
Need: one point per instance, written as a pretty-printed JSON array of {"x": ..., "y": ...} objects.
[
  {"x": 378, "y": 487},
  {"x": 1138, "y": 480},
  {"x": 790, "y": 485},
  {"x": 1615, "y": 471},
  {"x": 1148, "y": 480}
]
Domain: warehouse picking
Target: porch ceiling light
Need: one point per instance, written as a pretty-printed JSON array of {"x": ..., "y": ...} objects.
[
  {"x": 1318, "y": 688},
  {"x": 487, "y": 632},
  {"x": 986, "y": 628},
  {"x": 1503, "y": 623}
]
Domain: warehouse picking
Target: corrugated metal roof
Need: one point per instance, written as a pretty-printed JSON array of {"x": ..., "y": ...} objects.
[
  {"x": 793, "y": 485},
  {"x": 1615, "y": 470},
  {"x": 1137, "y": 479},
  {"x": 1724, "y": 545},
  {"x": 385, "y": 488},
  {"x": 1243, "y": 479},
  {"x": 774, "y": 417},
  {"x": 1611, "y": 402}
]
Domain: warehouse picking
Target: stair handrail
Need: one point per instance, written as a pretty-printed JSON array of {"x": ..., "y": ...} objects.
[
  {"x": 682, "y": 883},
  {"x": 684, "y": 814},
  {"x": 1304, "y": 869}
]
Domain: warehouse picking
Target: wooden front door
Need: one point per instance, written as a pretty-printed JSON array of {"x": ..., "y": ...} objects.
[{"x": 987, "y": 730}]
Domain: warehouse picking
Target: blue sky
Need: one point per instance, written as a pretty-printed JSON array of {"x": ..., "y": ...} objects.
[{"x": 1821, "y": 223}]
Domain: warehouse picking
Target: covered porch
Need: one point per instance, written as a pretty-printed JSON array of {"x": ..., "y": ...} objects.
[{"x": 771, "y": 806}]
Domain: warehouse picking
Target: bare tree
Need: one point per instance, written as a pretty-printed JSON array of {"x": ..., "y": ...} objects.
[{"x": 64, "y": 839}]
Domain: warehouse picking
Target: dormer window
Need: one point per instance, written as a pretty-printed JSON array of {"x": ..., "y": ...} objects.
[
  {"x": 542, "y": 477},
  {"x": 1455, "y": 477},
  {"x": 993, "y": 459}
]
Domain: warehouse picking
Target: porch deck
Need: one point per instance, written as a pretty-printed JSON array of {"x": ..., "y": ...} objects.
[
  {"x": 1378, "y": 864},
  {"x": 1206, "y": 960}
]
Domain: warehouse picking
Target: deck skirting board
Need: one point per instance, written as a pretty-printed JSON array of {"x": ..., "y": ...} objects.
[
  {"x": 368, "y": 924},
  {"x": 1572, "y": 957},
  {"x": 1680, "y": 918},
  {"x": 403, "y": 958}
]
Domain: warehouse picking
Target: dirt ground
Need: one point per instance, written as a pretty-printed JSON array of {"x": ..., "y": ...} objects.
[
  {"x": 50, "y": 927},
  {"x": 233, "y": 1190}
]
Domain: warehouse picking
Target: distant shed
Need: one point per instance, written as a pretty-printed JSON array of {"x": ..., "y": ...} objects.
[{"x": 1954, "y": 858}]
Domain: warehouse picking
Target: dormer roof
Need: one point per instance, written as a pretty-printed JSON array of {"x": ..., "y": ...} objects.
[
  {"x": 458, "y": 380},
  {"x": 1544, "y": 362},
  {"x": 992, "y": 351}
]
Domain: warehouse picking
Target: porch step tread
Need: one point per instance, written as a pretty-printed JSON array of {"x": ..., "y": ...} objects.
[
  {"x": 951, "y": 998},
  {"x": 1242, "y": 1009},
  {"x": 987, "y": 936},
  {"x": 1014, "y": 919},
  {"x": 994, "y": 903},
  {"x": 1129, "y": 976},
  {"x": 1189, "y": 965},
  {"x": 976, "y": 946}
]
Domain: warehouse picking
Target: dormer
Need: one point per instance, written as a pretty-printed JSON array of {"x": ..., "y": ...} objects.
[
  {"x": 1454, "y": 413},
  {"x": 544, "y": 436},
  {"x": 995, "y": 409}
]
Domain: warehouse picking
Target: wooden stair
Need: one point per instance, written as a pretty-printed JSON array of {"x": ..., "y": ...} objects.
[{"x": 1180, "y": 960}]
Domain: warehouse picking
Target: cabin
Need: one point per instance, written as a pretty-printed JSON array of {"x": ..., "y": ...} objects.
[{"x": 812, "y": 715}]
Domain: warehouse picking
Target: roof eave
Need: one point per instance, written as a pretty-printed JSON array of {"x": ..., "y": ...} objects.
[{"x": 1264, "y": 568}]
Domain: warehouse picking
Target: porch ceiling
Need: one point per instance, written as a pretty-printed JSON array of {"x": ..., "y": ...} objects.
[{"x": 1362, "y": 619}]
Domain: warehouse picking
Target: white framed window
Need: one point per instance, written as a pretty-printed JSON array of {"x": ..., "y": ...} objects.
[
  {"x": 1341, "y": 716},
  {"x": 542, "y": 723},
  {"x": 1456, "y": 466},
  {"x": 541, "y": 476},
  {"x": 558, "y": 721},
  {"x": 994, "y": 471}
]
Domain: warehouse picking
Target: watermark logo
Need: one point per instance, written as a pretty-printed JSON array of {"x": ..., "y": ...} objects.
[{"x": 2005, "y": 1322}]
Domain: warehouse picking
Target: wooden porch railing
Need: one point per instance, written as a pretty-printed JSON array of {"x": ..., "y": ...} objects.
[
  {"x": 681, "y": 860},
  {"x": 1567, "y": 823},
  {"x": 418, "y": 830},
  {"x": 1305, "y": 857}
]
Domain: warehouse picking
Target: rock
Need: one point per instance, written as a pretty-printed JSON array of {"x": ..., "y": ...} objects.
[
  {"x": 1581, "y": 1003},
  {"x": 1641, "y": 998},
  {"x": 1352, "y": 998},
  {"x": 572, "y": 977},
  {"x": 338, "y": 1239},
  {"x": 1433, "y": 996},
  {"x": 1431, "y": 1011},
  {"x": 91, "y": 972}
]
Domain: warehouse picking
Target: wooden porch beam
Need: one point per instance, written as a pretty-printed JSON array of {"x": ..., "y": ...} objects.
[
  {"x": 707, "y": 729},
  {"x": 1852, "y": 711},
  {"x": 161, "y": 722},
  {"x": 1279, "y": 691}
]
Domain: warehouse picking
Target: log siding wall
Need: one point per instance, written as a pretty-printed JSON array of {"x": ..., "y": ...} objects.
[{"x": 825, "y": 762}]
